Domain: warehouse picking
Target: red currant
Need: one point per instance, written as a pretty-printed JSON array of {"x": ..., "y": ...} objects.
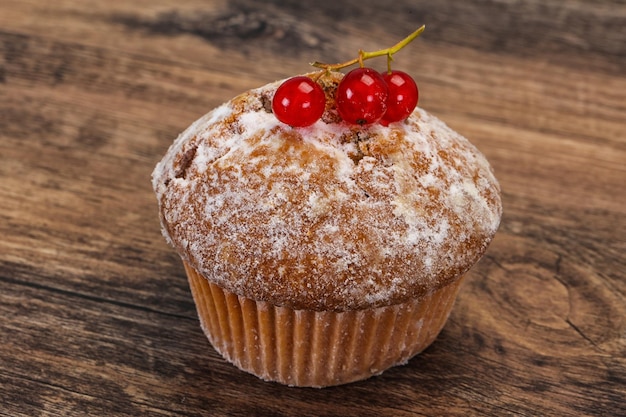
[
  {"x": 403, "y": 96},
  {"x": 361, "y": 96},
  {"x": 299, "y": 102}
]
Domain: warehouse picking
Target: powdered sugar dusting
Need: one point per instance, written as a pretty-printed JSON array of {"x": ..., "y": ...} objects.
[{"x": 328, "y": 217}]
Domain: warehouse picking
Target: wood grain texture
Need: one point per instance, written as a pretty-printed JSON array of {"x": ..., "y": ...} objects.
[{"x": 96, "y": 317}]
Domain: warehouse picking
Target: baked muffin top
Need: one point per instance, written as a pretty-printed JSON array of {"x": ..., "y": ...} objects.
[{"x": 327, "y": 217}]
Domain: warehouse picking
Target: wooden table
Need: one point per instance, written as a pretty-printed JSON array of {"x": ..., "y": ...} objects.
[{"x": 95, "y": 313}]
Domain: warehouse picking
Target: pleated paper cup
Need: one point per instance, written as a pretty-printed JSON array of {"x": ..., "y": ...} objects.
[{"x": 317, "y": 348}]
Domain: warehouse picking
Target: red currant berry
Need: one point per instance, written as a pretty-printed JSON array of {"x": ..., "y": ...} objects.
[
  {"x": 403, "y": 96},
  {"x": 299, "y": 102},
  {"x": 361, "y": 96}
]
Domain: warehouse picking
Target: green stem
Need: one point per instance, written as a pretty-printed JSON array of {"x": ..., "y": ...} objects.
[{"x": 368, "y": 55}]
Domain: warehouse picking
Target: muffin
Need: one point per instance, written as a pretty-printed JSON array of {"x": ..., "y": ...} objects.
[{"x": 324, "y": 254}]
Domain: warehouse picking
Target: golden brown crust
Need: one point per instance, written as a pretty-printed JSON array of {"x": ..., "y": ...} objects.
[{"x": 329, "y": 217}]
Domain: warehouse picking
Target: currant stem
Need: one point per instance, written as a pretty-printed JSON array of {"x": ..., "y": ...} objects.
[{"x": 367, "y": 55}]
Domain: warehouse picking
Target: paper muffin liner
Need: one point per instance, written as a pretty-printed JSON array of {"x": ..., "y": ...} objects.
[{"x": 317, "y": 348}]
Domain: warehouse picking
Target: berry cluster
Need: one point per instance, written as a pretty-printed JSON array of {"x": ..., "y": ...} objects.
[{"x": 364, "y": 96}]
